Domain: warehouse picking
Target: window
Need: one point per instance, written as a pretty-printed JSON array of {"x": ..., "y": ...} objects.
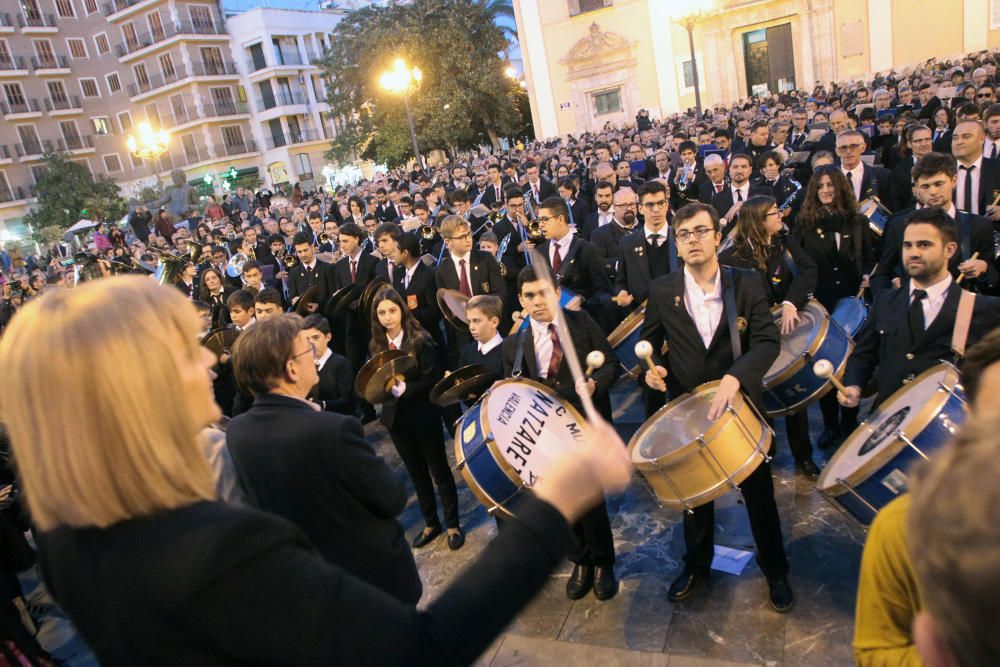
[
  {"x": 232, "y": 136},
  {"x": 38, "y": 172},
  {"x": 65, "y": 9},
  {"x": 77, "y": 48},
  {"x": 136, "y": 161},
  {"x": 167, "y": 67},
  {"x": 688, "y": 74},
  {"x": 222, "y": 98},
  {"x": 57, "y": 93},
  {"x": 190, "y": 148},
  {"x": 43, "y": 50},
  {"x": 583, "y": 6},
  {"x": 141, "y": 76},
  {"x": 101, "y": 42},
  {"x": 5, "y": 191},
  {"x": 114, "y": 82},
  {"x": 31, "y": 11},
  {"x": 125, "y": 121},
  {"x": 156, "y": 27},
  {"x": 201, "y": 19},
  {"x": 131, "y": 38},
  {"x": 29, "y": 137},
  {"x": 89, "y": 88},
  {"x": 211, "y": 58},
  {"x": 303, "y": 166},
  {"x": 14, "y": 94},
  {"x": 179, "y": 108},
  {"x": 607, "y": 101},
  {"x": 71, "y": 134},
  {"x": 6, "y": 60},
  {"x": 112, "y": 163},
  {"x": 90, "y": 6},
  {"x": 153, "y": 114},
  {"x": 102, "y": 126}
]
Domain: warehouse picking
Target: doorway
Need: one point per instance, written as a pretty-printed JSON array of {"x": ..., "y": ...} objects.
[{"x": 769, "y": 60}]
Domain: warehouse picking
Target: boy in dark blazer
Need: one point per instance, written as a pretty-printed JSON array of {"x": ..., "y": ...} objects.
[
  {"x": 483, "y": 313},
  {"x": 335, "y": 390}
]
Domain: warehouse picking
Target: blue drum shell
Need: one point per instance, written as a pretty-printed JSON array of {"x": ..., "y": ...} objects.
[
  {"x": 850, "y": 313},
  {"x": 804, "y": 386},
  {"x": 480, "y": 469}
]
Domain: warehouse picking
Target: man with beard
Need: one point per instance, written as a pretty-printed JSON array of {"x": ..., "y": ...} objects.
[
  {"x": 607, "y": 239},
  {"x": 604, "y": 212}
]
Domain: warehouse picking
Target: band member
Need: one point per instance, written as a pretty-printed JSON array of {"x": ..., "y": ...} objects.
[
  {"x": 267, "y": 304},
  {"x": 493, "y": 194},
  {"x": 387, "y": 237},
  {"x": 309, "y": 272},
  {"x": 650, "y": 251},
  {"x": 934, "y": 177},
  {"x": 346, "y": 501},
  {"x": 864, "y": 181},
  {"x": 687, "y": 309},
  {"x": 688, "y": 177},
  {"x": 536, "y": 353},
  {"x": 186, "y": 281},
  {"x": 603, "y": 212},
  {"x": 215, "y": 293},
  {"x": 839, "y": 240},
  {"x": 483, "y": 313},
  {"x": 978, "y": 182},
  {"x": 579, "y": 211},
  {"x": 607, "y": 238},
  {"x": 414, "y": 281},
  {"x": 574, "y": 261},
  {"x": 536, "y": 187},
  {"x": 414, "y": 423},
  {"x": 240, "y": 307},
  {"x": 334, "y": 392},
  {"x": 910, "y": 329},
  {"x": 515, "y": 255},
  {"x": 788, "y": 276},
  {"x": 728, "y": 201}
]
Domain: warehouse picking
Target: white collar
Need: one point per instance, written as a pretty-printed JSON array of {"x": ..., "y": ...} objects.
[
  {"x": 745, "y": 186},
  {"x": 540, "y": 328},
  {"x": 490, "y": 344},
  {"x": 937, "y": 290},
  {"x": 564, "y": 241},
  {"x": 691, "y": 283},
  {"x": 324, "y": 358},
  {"x": 397, "y": 341},
  {"x": 646, "y": 231},
  {"x": 860, "y": 166},
  {"x": 951, "y": 210},
  {"x": 413, "y": 269},
  {"x": 459, "y": 258},
  {"x": 978, "y": 164}
]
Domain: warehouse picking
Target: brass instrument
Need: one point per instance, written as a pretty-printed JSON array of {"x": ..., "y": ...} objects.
[
  {"x": 535, "y": 234},
  {"x": 290, "y": 261},
  {"x": 427, "y": 232},
  {"x": 195, "y": 250},
  {"x": 324, "y": 238}
]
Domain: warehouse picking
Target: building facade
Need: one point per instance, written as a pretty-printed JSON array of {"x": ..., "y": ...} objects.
[
  {"x": 588, "y": 62},
  {"x": 240, "y": 91}
]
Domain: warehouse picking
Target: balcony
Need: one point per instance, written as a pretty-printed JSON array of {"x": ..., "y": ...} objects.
[
  {"x": 13, "y": 64},
  {"x": 32, "y": 148},
  {"x": 50, "y": 63},
  {"x": 221, "y": 68},
  {"x": 6, "y": 23},
  {"x": 247, "y": 146},
  {"x": 75, "y": 143},
  {"x": 146, "y": 39},
  {"x": 282, "y": 99},
  {"x": 15, "y": 193},
  {"x": 5, "y": 154},
  {"x": 225, "y": 109},
  {"x": 24, "y": 106},
  {"x": 300, "y": 137},
  {"x": 584, "y": 6},
  {"x": 110, "y": 8},
  {"x": 154, "y": 82},
  {"x": 39, "y": 22},
  {"x": 71, "y": 103}
]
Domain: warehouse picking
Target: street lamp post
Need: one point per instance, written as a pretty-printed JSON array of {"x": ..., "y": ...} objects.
[
  {"x": 398, "y": 80},
  {"x": 688, "y": 15},
  {"x": 148, "y": 144}
]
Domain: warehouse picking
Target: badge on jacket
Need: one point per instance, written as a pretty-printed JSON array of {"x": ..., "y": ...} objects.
[
  {"x": 741, "y": 324},
  {"x": 484, "y": 287},
  {"x": 411, "y": 301}
]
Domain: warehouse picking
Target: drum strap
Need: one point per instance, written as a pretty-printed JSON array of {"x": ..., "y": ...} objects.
[
  {"x": 963, "y": 319},
  {"x": 793, "y": 268},
  {"x": 522, "y": 336},
  {"x": 729, "y": 302},
  {"x": 965, "y": 235}
]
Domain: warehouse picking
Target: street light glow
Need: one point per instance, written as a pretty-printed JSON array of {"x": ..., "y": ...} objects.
[
  {"x": 511, "y": 72},
  {"x": 399, "y": 78},
  {"x": 148, "y": 143},
  {"x": 691, "y": 10}
]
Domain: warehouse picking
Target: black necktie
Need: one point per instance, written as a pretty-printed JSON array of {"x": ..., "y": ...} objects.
[
  {"x": 967, "y": 195},
  {"x": 916, "y": 314},
  {"x": 739, "y": 194},
  {"x": 993, "y": 151}
]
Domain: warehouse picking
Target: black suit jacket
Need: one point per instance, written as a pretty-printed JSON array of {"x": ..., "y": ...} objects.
[
  {"x": 885, "y": 349},
  {"x": 902, "y": 184},
  {"x": 838, "y": 270},
  {"x": 580, "y": 212},
  {"x": 688, "y": 362},
  {"x": 414, "y": 406},
  {"x": 581, "y": 271},
  {"x": 723, "y": 201},
  {"x": 878, "y": 182},
  {"x": 484, "y": 272},
  {"x": 989, "y": 183},
  {"x": 607, "y": 240},
  {"x": 420, "y": 296},
  {"x": 706, "y": 191},
  {"x": 490, "y": 197},
  {"x": 942, "y": 142},
  {"x": 386, "y": 212},
  {"x": 777, "y": 280},
  {"x": 587, "y": 336},
  {"x": 299, "y": 280},
  {"x": 365, "y": 271},
  {"x": 545, "y": 190},
  {"x": 633, "y": 264},
  {"x": 590, "y": 225},
  {"x": 316, "y": 470},
  {"x": 335, "y": 390},
  {"x": 493, "y": 359}
]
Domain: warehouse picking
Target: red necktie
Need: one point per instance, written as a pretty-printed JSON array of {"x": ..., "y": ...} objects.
[
  {"x": 718, "y": 188},
  {"x": 556, "y": 259},
  {"x": 557, "y": 354},
  {"x": 354, "y": 271},
  {"x": 392, "y": 346},
  {"x": 463, "y": 280}
]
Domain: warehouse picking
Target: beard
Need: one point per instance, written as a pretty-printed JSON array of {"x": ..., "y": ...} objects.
[
  {"x": 628, "y": 219},
  {"x": 604, "y": 206}
]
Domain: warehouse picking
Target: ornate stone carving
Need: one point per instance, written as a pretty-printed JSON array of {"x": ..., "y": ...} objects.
[{"x": 598, "y": 52}]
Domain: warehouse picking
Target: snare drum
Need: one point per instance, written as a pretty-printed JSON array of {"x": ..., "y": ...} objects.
[
  {"x": 790, "y": 384},
  {"x": 507, "y": 440},
  {"x": 624, "y": 338},
  {"x": 870, "y": 467},
  {"x": 689, "y": 460},
  {"x": 850, "y": 313}
]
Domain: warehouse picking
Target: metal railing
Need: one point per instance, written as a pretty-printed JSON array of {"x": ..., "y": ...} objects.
[
  {"x": 32, "y": 148},
  {"x": 14, "y": 193},
  {"x": 223, "y": 68},
  {"x": 156, "y": 81},
  {"x": 4, "y": 152},
  {"x": 145, "y": 39},
  {"x": 49, "y": 62},
  {"x": 584, "y": 6},
  {"x": 117, "y": 6},
  {"x": 282, "y": 99},
  {"x": 75, "y": 142},
  {"x": 64, "y": 104},
  {"x": 247, "y": 146},
  {"x": 12, "y": 63},
  {"x": 42, "y": 21},
  {"x": 6, "y": 21},
  {"x": 27, "y": 106},
  {"x": 300, "y": 137},
  {"x": 225, "y": 109}
]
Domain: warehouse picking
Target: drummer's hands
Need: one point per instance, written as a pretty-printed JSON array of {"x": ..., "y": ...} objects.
[
  {"x": 789, "y": 318},
  {"x": 973, "y": 268},
  {"x": 993, "y": 213},
  {"x": 623, "y": 298},
  {"x": 851, "y": 398},
  {"x": 577, "y": 480},
  {"x": 588, "y": 386},
  {"x": 655, "y": 380},
  {"x": 865, "y": 282},
  {"x": 728, "y": 388},
  {"x": 447, "y": 373},
  {"x": 398, "y": 389}
]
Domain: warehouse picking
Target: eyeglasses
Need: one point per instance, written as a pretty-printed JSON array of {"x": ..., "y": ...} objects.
[
  {"x": 700, "y": 233},
  {"x": 982, "y": 95},
  {"x": 631, "y": 205},
  {"x": 545, "y": 218},
  {"x": 311, "y": 350},
  {"x": 770, "y": 213},
  {"x": 459, "y": 237},
  {"x": 653, "y": 205},
  {"x": 850, "y": 147}
]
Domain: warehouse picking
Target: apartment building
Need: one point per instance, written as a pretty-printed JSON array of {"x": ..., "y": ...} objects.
[{"x": 78, "y": 75}]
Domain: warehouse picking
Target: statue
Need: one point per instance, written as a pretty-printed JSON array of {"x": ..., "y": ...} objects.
[{"x": 179, "y": 199}]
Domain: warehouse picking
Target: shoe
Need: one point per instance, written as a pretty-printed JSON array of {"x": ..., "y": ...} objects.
[
  {"x": 808, "y": 468},
  {"x": 580, "y": 581},
  {"x": 425, "y": 537},
  {"x": 605, "y": 584},
  {"x": 456, "y": 540},
  {"x": 685, "y": 585},
  {"x": 781, "y": 596},
  {"x": 829, "y": 438}
]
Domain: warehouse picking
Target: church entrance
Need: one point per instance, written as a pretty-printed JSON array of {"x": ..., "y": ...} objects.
[{"x": 770, "y": 61}]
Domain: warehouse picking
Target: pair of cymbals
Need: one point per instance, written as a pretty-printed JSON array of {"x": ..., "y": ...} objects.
[
  {"x": 363, "y": 295},
  {"x": 376, "y": 378},
  {"x": 452, "y": 304},
  {"x": 466, "y": 384},
  {"x": 220, "y": 341}
]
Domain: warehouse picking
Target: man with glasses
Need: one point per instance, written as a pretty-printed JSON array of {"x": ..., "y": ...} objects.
[
  {"x": 650, "y": 251},
  {"x": 920, "y": 139},
  {"x": 686, "y": 309},
  {"x": 866, "y": 181},
  {"x": 978, "y": 176},
  {"x": 984, "y": 95},
  {"x": 607, "y": 238}
]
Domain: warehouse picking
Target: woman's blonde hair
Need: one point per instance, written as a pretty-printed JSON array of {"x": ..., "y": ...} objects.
[{"x": 94, "y": 445}]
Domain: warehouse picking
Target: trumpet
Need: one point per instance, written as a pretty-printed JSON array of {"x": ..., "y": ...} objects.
[
  {"x": 324, "y": 238},
  {"x": 535, "y": 234},
  {"x": 290, "y": 261},
  {"x": 427, "y": 232}
]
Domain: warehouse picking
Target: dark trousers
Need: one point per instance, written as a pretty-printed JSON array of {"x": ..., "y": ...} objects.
[
  {"x": 422, "y": 449},
  {"x": 758, "y": 493},
  {"x": 356, "y": 351},
  {"x": 835, "y": 416},
  {"x": 592, "y": 542},
  {"x": 797, "y": 428}
]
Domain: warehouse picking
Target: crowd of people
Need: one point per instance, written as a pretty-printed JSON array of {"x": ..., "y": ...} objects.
[{"x": 719, "y": 229}]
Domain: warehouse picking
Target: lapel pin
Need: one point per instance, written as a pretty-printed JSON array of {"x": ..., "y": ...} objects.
[
  {"x": 677, "y": 302},
  {"x": 741, "y": 324}
]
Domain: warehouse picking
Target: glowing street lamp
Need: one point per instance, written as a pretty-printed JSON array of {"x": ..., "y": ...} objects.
[
  {"x": 511, "y": 72},
  {"x": 688, "y": 14},
  {"x": 399, "y": 80},
  {"x": 148, "y": 144}
]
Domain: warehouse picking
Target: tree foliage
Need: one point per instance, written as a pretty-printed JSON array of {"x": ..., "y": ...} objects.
[
  {"x": 458, "y": 48},
  {"x": 67, "y": 190}
]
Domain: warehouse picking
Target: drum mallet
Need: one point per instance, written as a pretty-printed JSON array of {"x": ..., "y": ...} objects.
[
  {"x": 644, "y": 350},
  {"x": 594, "y": 361},
  {"x": 958, "y": 281},
  {"x": 824, "y": 369}
]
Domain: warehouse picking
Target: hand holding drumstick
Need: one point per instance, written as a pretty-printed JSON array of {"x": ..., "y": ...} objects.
[{"x": 656, "y": 374}]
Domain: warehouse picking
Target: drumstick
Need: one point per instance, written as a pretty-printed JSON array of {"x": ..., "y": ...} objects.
[
  {"x": 565, "y": 339},
  {"x": 644, "y": 350},
  {"x": 975, "y": 255},
  {"x": 824, "y": 369},
  {"x": 861, "y": 292},
  {"x": 594, "y": 361}
]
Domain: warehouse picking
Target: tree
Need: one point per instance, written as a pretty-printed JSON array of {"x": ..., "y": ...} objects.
[
  {"x": 68, "y": 192},
  {"x": 463, "y": 99}
]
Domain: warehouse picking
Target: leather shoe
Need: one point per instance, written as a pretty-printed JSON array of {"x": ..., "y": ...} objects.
[
  {"x": 808, "y": 468},
  {"x": 456, "y": 540},
  {"x": 580, "y": 581},
  {"x": 685, "y": 585},
  {"x": 605, "y": 584},
  {"x": 426, "y": 537},
  {"x": 781, "y": 596}
]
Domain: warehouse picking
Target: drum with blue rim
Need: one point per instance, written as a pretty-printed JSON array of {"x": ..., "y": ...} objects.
[
  {"x": 850, "y": 313},
  {"x": 877, "y": 214},
  {"x": 624, "y": 338},
  {"x": 506, "y": 441},
  {"x": 871, "y": 467}
]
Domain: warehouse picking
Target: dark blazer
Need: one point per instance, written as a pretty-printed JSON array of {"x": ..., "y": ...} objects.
[
  {"x": 342, "y": 277},
  {"x": 190, "y": 584},
  {"x": 633, "y": 264},
  {"x": 484, "y": 272},
  {"x": 299, "y": 280},
  {"x": 723, "y": 201},
  {"x": 545, "y": 190},
  {"x": 590, "y": 225},
  {"x": 926, "y": 111},
  {"x": 877, "y": 182},
  {"x": 414, "y": 406},
  {"x": 421, "y": 297},
  {"x": 838, "y": 270},
  {"x": 942, "y": 142},
  {"x": 335, "y": 390},
  {"x": 316, "y": 470},
  {"x": 777, "y": 279},
  {"x": 902, "y": 185},
  {"x": 490, "y": 196},
  {"x": 581, "y": 271},
  {"x": 607, "y": 240},
  {"x": 469, "y": 355},
  {"x": 989, "y": 183},
  {"x": 382, "y": 270},
  {"x": 587, "y": 336},
  {"x": 386, "y": 212},
  {"x": 512, "y": 258},
  {"x": 706, "y": 191},
  {"x": 885, "y": 350},
  {"x": 688, "y": 363}
]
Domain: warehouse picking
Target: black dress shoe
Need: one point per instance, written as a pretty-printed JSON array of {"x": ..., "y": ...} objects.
[
  {"x": 456, "y": 540},
  {"x": 580, "y": 581},
  {"x": 808, "y": 468},
  {"x": 425, "y": 537},
  {"x": 685, "y": 585},
  {"x": 605, "y": 584},
  {"x": 830, "y": 437},
  {"x": 782, "y": 598}
]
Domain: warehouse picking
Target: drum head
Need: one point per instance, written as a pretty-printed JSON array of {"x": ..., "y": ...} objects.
[
  {"x": 794, "y": 345},
  {"x": 531, "y": 427},
  {"x": 676, "y": 425}
]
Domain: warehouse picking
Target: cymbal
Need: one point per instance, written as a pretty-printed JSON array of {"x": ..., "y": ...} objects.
[
  {"x": 452, "y": 305},
  {"x": 466, "y": 384},
  {"x": 365, "y": 305},
  {"x": 220, "y": 340},
  {"x": 377, "y": 376},
  {"x": 341, "y": 299},
  {"x": 310, "y": 294}
]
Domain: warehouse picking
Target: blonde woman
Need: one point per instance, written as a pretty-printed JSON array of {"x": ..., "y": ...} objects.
[{"x": 153, "y": 570}]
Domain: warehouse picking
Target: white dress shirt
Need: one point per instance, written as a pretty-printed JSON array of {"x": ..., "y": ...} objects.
[
  {"x": 855, "y": 176},
  {"x": 397, "y": 341},
  {"x": 977, "y": 173},
  {"x": 743, "y": 189},
  {"x": 408, "y": 276},
  {"x": 646, "y": 232},
  {"x": 323, "y": 359},
  {"x": 563, "y": 246},
  {"x": 492, "y": 343},
  {"x": 458, "y": 268},
  {"x": 605, "y": 218},
  {"x": 988, "y": 147},
  {"x": 705, "y": 308},
  {"x": 936, "y": 294},
  {"x": 543, "y": 346}
]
